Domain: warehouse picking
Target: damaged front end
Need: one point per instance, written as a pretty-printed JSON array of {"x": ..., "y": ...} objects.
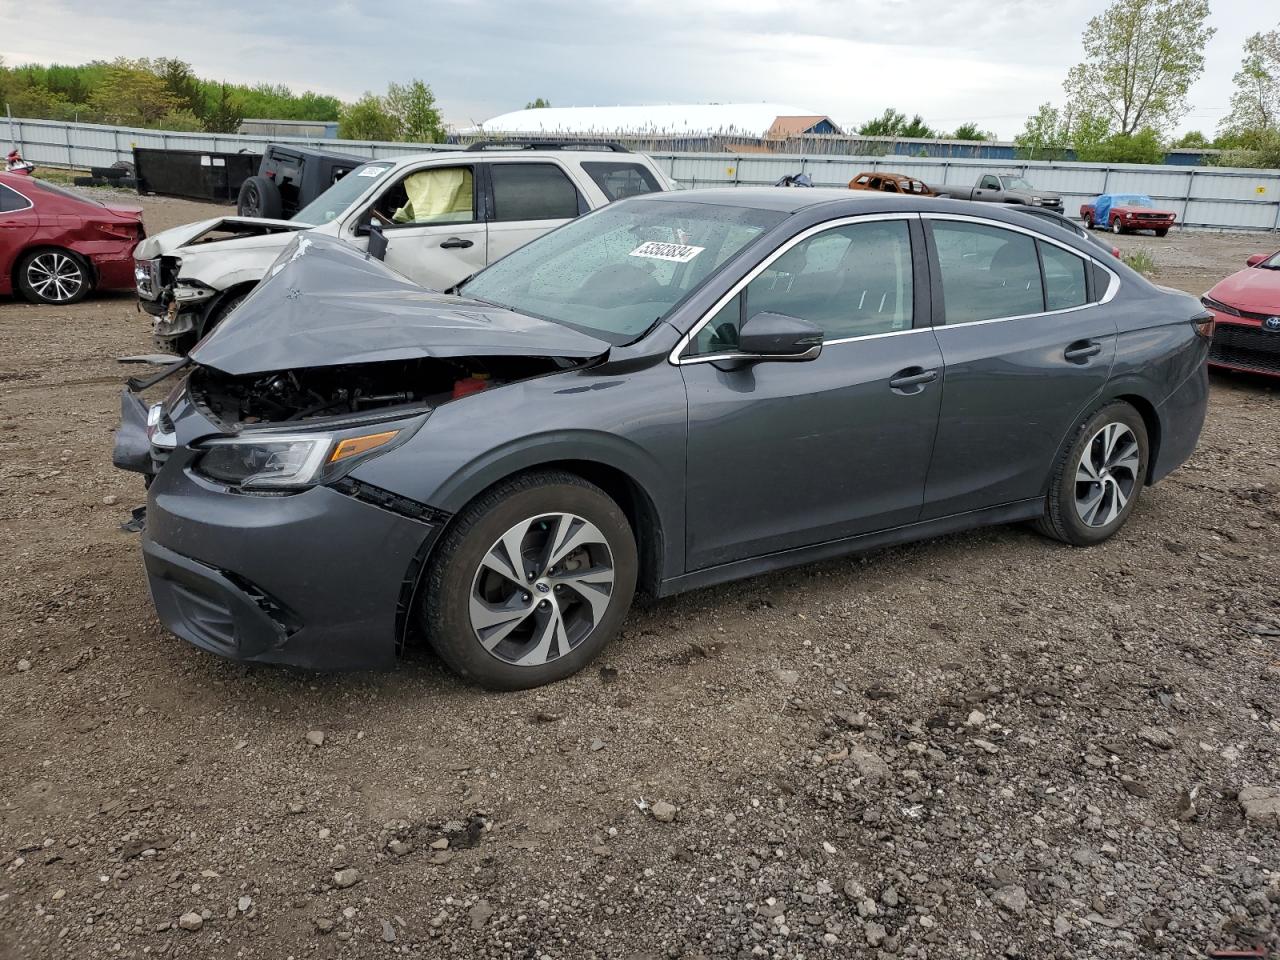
[
  {"x": 334, "y": 360},
  {"x": 181, "y": 274}
]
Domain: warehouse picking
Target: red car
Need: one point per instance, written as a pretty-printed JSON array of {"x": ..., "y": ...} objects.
[
  {"x": 56, "y": 246},
  {"x": 1122, "y": 212},
  {"x": 1246, "y": 308}
]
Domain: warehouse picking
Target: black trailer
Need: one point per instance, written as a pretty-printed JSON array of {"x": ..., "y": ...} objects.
[{"x": 193, "y": 174}]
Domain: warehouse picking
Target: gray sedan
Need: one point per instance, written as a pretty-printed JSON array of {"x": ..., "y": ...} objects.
[{"x": 670, "y": 392}]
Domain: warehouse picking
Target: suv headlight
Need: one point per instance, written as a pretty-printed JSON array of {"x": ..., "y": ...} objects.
[{"x": 291, "y": 461}]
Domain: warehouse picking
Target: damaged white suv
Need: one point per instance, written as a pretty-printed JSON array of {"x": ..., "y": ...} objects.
[{"x": 444, "y": 216}]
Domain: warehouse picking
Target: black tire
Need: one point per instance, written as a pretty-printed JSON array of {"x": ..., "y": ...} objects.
[
  {"x": 455, "y": 570},
  {"x": 1116, "y": 226},
  {"x": 259, "y": 197},
  {"x": 1163, "y": 232},
  {"x": 219, "y": 313},
  {"x": 183, "y": 342},
  {"x": 1088, "y": 221},
  {"x": 37, "y": 284},
  {"x": 1062, "y": 519}
]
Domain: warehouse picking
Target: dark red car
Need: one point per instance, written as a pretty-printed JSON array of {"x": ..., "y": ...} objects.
[
  {"x": 1246, "y": 308},
  {"x": 56, "y": 246},
  {"x": 1122, "y": 212}
]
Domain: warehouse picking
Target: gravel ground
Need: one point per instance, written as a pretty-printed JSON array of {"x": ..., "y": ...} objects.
[{"x": 983, "y": 745}]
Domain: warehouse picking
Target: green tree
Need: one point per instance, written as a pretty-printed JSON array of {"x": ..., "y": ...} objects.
[
  {"x": 970, "y": 131},
  {"x": 1089, "y": 134},
  {"x": 182, "y": 84},
  {"x": 1141, "y": 57},
  {"x": 1191, "y": 140},
  {"x": 224, "y": 112},
  {"x": 414, "y": 108},
  {"x": 368, "y": 119},
  {"x": 1255, "y": 104},
  {"x": 893, "y": 123},
  {"x": 130, "y": 93},
  {"x": 1045, "y": 136},
  {"x": 538, "y": 104}
]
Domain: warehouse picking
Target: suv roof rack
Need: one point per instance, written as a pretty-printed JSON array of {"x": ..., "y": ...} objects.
[{"x": 526, "y": 144}]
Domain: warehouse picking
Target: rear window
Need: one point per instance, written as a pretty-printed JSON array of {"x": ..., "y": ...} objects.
[
  {"x": 11, "y": 200},
  {"x": 532, "y": 191},
  {"x": 618, "y": 180}
]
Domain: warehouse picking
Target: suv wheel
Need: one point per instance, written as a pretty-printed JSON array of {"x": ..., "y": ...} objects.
[
  {"x": 531, "y": 582},
  {"x": 259, "y": 197},
  {"x": 1098, "y": 477}
]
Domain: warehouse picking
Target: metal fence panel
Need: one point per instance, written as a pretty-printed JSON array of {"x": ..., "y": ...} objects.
[{"x": 1212, "y": 197}]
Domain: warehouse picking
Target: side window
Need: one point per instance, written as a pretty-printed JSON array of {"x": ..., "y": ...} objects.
[
  {"x": 851, "y": 281},
  {"x": 989, "y": 183},
  {"x": 891, "y": 186},
  {"x": 987, "y": 272},
  {"x": 862, "y": 180},
  {"x": 11, "y": 200},
  {"x": 532, "y": 191},
  {"x": 434, "y": 195},
  {"x": 618, "y": 180},
  {"x": 1064, "y": 283}
]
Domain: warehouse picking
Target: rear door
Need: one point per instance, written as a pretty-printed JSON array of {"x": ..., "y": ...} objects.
[
  {"x": 525, "y": 199},
  {"x": 1027, "y": 346},
  {"x": 18, "y": 222}
]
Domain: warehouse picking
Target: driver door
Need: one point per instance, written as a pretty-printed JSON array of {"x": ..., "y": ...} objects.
[
  {"x": 783, "y": 455},
  {"x": 433, "y": 222}
]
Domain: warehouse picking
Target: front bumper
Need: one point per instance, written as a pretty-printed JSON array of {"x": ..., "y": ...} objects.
[
  {"x": 315, "y": 579},
  {"x": 1244, "y": 344}
]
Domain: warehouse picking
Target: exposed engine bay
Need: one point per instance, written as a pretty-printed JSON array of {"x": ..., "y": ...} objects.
[{"x": 292, "y": 396}]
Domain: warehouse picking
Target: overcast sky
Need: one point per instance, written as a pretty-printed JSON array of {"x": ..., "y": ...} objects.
[{"x": 988, "y": 61}]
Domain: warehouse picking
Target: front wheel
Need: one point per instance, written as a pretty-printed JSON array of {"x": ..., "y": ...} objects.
[
  {"x": 1115, "y": 225},
  {"x": 531, "y": 582},
  {"x": 1162, "y": 232},
  {"x": 1098, "y": 477},
  {"x": 54, "y": 277}
]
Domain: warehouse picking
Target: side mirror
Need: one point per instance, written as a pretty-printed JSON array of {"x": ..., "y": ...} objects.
[
  {"x": 776, "y": 336},
  {"x": 1256, "y": 259},
  {"x": 377, "y": 242}
]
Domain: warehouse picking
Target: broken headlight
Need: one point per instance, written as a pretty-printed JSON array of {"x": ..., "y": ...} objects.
[{"x": 290, "y": 461}]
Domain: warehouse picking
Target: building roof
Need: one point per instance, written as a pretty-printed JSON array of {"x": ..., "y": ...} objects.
[
  {"x": 784, "y": 127},
  {"x": 742, "y": 119}
]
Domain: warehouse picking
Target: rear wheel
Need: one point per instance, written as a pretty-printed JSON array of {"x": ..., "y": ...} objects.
[
  {"x": 1098, "y": 477},
  {"x": 259, "y": 197},
  {"x": 54, "y": 277},
  {"x": 1088, "y": 221},
  {"x": 531, "y": 581}
]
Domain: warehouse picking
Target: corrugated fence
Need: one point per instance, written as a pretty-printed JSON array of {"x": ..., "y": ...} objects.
[{"x": 1211, "y": 197}]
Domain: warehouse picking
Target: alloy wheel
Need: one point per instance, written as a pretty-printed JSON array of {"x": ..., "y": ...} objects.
[
  {"x": 541, "y": 589},
  {"x": 1107, "y": 474},
  {"x": 55, "y": 277}
]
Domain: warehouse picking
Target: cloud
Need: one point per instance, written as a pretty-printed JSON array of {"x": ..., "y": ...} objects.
[{"x": 950, "y": 60}]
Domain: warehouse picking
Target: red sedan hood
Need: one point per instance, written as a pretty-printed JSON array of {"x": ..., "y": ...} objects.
[{"x": 1254, "y": 289}]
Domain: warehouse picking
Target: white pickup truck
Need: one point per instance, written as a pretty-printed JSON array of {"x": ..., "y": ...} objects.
[{"x": 445, "y": 216}]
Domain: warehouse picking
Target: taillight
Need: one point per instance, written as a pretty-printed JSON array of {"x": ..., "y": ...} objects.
[
  {"x": 1204, "y": 324},
  {"x": 121, "y": 231}
]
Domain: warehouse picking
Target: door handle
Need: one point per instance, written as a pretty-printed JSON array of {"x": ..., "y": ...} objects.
[
  {"x": 912, "y": 380},
  {"x": 456, "y": 243},
  {"x": 1082, "y": 350}
]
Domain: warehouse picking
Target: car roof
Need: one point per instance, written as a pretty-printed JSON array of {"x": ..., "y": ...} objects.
[
  {"x": 517, "y": 152},
  {"x": 796, "y": 199}
]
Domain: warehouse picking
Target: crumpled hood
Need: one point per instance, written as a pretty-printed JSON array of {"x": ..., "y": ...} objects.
[
  {"x": 1254, "y": 289},
  {"x": 326, "y": 303},
  {"x": 166, "y": 242}
]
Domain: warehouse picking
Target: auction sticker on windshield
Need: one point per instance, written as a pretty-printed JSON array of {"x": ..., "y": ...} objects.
[{"x": 675, "y": 252}]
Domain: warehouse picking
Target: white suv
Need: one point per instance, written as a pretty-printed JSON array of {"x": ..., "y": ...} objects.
[{"x": 445, "y": 216}]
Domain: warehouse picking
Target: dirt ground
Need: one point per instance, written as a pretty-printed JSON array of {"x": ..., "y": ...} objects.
[{"x": 985, "y": 745}]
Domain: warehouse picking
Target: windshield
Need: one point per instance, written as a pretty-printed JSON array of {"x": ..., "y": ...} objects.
[
  {"x": 1131, "y": 200},
  {"x": 1272, "y": 262},
  {"x": 1017, "y": 183},
  {"x": 333, "y": 202},
  {"x": 616, "y": 272}
]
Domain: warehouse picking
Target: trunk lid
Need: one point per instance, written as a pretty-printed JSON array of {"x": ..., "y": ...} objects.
[{"x": 326, "y": 303}]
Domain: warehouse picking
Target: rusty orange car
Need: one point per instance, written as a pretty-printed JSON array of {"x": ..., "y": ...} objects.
[{"x": 892, "y": 183}]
